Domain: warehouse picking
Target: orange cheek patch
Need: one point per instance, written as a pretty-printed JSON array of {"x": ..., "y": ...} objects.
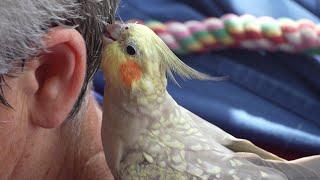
[{"x": 129, "y": 72}]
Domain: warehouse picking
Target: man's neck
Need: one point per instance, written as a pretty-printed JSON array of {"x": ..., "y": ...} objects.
[
  {"x": 64, "y": 152},
  {"x": 44, "y": 156}
]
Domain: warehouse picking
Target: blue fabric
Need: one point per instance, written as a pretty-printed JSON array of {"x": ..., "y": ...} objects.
[{"x": 271, "y": 99}]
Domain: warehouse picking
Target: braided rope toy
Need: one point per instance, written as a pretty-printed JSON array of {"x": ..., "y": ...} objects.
[{"x": 246, "y": 31}]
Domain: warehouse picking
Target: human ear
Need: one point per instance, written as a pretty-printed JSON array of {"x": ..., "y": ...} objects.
[{"x": 59, "y": 75}]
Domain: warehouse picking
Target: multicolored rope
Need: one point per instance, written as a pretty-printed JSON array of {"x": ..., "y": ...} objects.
[{"x": 246, "y": 31}]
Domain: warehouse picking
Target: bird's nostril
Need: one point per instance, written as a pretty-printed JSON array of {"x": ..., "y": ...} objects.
[{"x": 108, "y": 35}]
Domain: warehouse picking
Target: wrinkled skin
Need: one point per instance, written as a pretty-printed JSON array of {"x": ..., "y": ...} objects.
[{"x": 36, "y": 140}]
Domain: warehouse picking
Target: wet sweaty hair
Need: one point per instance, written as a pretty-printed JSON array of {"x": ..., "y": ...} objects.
[{"x": 23, "y": 23}]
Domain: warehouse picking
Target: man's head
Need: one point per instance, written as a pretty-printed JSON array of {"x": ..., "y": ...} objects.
[
  {"x": 49, "y": 51},
  {"x": 24, "y": 23}
]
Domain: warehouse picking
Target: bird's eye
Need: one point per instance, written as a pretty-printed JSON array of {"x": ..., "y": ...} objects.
[{"x": 131, "y": 50}]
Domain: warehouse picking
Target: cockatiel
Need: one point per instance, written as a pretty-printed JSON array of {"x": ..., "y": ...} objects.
[{"x": 147, "y": 135}]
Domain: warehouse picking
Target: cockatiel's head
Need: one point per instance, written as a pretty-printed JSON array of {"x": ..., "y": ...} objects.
[{"x": 135, "y": 58}]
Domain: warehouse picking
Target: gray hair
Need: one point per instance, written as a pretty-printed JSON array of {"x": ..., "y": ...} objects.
[{"x": 24, "y": 23}]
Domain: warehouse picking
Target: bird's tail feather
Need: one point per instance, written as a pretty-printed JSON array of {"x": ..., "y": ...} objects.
[
  {"x": 301, "y": 169},
  {"x": 307, "y": 168}
]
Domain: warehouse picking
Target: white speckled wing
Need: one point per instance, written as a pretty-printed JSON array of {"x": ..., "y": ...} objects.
[
  {"x": 177, "y": 144},
  {"x": 227, "y": 140},
  {"x": 176, "y": 147},
  {"x": 307, "y": 169}
]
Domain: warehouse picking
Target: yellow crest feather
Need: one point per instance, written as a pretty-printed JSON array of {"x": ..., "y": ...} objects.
[{"x": 173, "y": 64}]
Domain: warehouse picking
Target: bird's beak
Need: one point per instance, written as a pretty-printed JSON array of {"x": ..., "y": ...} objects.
[{"x": 112, "y": 33}]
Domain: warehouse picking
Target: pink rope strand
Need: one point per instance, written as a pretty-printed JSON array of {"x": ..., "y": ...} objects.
[{"x": 246, "y": 31}]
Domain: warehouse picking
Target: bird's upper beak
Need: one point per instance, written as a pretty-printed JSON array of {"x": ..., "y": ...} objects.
[{"x": 112, "y": 33}]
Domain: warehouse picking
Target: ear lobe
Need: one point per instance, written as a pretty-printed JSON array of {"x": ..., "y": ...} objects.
[{"x": 59, "y": 75}]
